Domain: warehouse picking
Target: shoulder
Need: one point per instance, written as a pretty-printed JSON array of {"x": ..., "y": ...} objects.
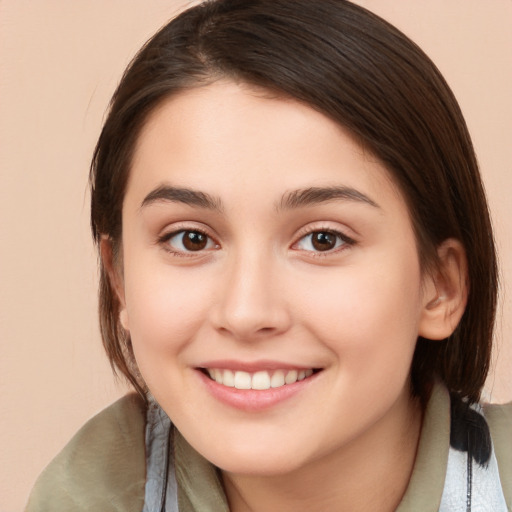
[
  {"x": 499, "y": 415},
  {"x": 499, "y": 419},
  {"x": 101, "y": 468}
]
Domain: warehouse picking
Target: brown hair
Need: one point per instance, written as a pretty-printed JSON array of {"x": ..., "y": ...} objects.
[{"x": 360, "y": 71}]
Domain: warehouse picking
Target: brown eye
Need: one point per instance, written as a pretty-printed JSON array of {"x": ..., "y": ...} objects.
[
  {"x": 189, "y": 241},
  {"x": 323, "y": 241},
  {"x": 194, "y": 241}
]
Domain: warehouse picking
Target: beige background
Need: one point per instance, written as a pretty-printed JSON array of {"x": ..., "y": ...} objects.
[{"x": 59, "y": 63}]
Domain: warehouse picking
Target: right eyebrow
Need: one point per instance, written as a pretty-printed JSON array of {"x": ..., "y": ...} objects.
[
  {"x": 167, "y": 193},
  {"x": 317, "y": 195}
]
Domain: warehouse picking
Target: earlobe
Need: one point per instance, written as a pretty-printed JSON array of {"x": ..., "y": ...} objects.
[
  {"x": 123, "y": 318},
  {"x": 113, "y": 271},
  {"x": 446, "y": 292}
]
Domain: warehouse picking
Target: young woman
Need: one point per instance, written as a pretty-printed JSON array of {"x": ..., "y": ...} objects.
[{"x": 298, "y": 276}]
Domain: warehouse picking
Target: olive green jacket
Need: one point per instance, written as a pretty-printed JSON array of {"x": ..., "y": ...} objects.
[{"x": 103, "y": 466}]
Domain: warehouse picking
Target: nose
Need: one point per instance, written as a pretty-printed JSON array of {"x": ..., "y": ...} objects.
[{"x": 252, "y": 300}]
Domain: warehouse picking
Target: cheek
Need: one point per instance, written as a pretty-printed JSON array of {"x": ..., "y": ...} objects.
[
  {"x": 368, "y": 316},
  {"x": 165, "y": 308}
]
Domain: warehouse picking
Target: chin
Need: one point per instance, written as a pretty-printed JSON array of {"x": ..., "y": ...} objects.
[
  {"x": 257, "y": 460},
  {"x": 258, "y": 467}
]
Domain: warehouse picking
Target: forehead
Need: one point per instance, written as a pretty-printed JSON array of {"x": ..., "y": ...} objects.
[{"x": 233, "y": 138}]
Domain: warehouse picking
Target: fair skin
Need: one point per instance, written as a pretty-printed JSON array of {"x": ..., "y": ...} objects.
[{"x": 260, "y": 238}]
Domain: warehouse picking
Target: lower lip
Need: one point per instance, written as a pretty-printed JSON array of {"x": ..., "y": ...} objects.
[{"x": 254, "y": 400}]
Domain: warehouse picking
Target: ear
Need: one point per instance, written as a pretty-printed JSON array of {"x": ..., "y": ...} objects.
[
  {"x": 114, "y": 272},
  {"x": 445, "y": 292}
]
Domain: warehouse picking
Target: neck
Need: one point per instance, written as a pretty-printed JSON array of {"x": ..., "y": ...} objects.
[{"x": 371, "y": 473}]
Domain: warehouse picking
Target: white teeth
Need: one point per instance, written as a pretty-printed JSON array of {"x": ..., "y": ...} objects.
[
  {"x": 228, "y": 378},
  {"x": 259, "y": 380},
  {"x": 277, "y": 379},
  {"x": 291, "y": 377},
  {"x": 242, "y": 380}
]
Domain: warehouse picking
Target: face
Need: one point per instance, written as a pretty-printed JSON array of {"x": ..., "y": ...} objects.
[{"x": 270, "y": 283}]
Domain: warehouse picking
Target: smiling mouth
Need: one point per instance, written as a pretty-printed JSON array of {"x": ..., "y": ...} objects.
[{"x": 259, "y": 380}]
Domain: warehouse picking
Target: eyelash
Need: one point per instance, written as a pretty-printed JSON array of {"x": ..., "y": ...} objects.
[
  {"x": 345, "y": 240},
  {"x": 164, "y": 241}
]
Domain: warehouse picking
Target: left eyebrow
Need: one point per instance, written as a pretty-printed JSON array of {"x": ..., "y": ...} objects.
[
  {"x": 187, "y": 196},
  {"x": 317, "y": 195}
]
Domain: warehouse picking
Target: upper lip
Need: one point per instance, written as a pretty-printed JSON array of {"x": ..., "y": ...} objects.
[{"x": 253, "y": 366}]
